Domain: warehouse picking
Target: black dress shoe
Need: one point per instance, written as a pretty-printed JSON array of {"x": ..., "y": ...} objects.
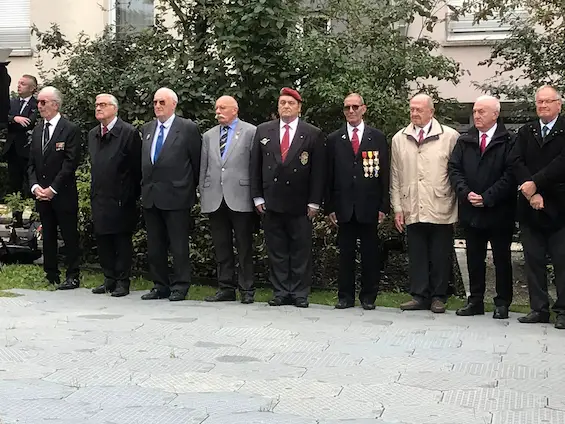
[
  {"x": 221, "y": 296},
  {"x": 500, "y": 312},
  {"x": 247, "y": 298},
  {"x": 471, "y": 309},
  {"x": 535, "y": 317},
  {"x": 301, "y": 302},
  {"x": 177, "y": 295},
  {"x": 344, "y": 304},
  {"x": 154, "y": 294},
  {"x": 101, "y": 289},
  {"x": 368, "y": 306},
  {"x": 280, "y": 301},
  {"x": 560, "y": 322},
  {"x": 122, "y": 289},
  {"x": 69, "y": 284}
]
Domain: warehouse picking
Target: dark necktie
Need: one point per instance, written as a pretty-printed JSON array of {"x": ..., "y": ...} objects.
[
  {"x": 223, "y": 140},
  {"x": 544, "y": 132},
  {"x": 104, "y": 130},
  {"x": 22, "y": 103},
  {"x": 46, "y": 137}
]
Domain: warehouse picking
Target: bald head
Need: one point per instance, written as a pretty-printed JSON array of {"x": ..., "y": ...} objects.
[
  {"x": 485, "y": 112},
  {"x": 165, "y": 102},
  {"x": 421, "y": 110},
  {"x": 226, "y": 110}
]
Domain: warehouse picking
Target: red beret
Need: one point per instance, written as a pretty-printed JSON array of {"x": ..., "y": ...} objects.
[{"x": 292, "y": 93}]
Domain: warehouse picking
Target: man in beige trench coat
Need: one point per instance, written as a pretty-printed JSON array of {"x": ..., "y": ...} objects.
[{"x": 424, "y": 203}]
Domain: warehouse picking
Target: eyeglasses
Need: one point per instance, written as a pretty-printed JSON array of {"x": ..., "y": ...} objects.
[
  {"x": 546, "y": 102},
  {"x": 160, "y": 102},
  {"x": 43, "y": 102},
  {"x": 102, "y": 105},
  {"x": 354, "y": 107}
]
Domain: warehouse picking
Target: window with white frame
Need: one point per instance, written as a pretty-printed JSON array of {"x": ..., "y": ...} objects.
[
  {"x": 464, "y": 29},
  {"x": 15, "y": 26},
  {"x": 136, "y": 14}
]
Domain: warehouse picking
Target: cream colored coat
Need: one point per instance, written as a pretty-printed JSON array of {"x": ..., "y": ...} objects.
[{"x": 420, "y": 185}]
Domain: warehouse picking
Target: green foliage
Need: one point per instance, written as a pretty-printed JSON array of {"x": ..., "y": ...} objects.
[{"x": 534, "y": 52}]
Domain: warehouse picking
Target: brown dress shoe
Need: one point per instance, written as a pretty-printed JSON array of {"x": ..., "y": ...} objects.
[
  {"x": 438, "y": 307},
  {"x": 413, "y": 305}
]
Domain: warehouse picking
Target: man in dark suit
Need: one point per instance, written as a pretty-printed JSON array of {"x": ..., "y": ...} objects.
[
  {"x": 357, "y": 200},
  {"x": 170, "y": 164},
  {"x": 21, "y": 121},
  {"x": 53, "y": 160},
  {"x": 115, "y": 158},
  {"x": 288, "y": 172},
  {"x": 225, "y": 196},
  {"x": 481, "y": 175},
  {"x": 539, "y": 167}
]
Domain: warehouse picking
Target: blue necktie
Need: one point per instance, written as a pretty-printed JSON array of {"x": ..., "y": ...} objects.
[
  {"x": 544, "y": 131},
  {"x": 159, "y": 143}
]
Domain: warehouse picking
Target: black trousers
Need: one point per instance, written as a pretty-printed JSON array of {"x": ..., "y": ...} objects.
[
  {"x": 289, "y": 247},
  {"x": 224, "y": 225},
  {"x": 348, "y": 233},
  {"x": 537, "y": 246},
  {"x": 17, "y": 172},
  {"x": 429, "y": 260},
  {"x": 67, "y": 221},
  {"x": 500, "y": 241},
  {"x": 115, "y": 252},
  {"x": 168, "y": 230}
]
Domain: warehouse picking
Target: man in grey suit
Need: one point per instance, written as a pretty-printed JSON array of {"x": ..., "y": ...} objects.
[
  {"x": 225, "y": 195},
  {"x": 170, "y": 166}
]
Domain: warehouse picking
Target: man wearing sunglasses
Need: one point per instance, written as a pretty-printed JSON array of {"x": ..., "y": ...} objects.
[
  {"x": 357, "y": 200},
  {"x": 170, "y": 165},
  {"x": 53, "y": 160}
]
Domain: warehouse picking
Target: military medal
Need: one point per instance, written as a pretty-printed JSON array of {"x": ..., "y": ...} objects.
[
  {"x": 370, "y": 171},
  {"x": 365, "y": 162},
  {"x": 304, "y": 158},
  {"x": 370, "y": 158}
]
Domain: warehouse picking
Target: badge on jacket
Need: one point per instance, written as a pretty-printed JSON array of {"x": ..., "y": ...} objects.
[
  {"x": 304, "y": 158},
  {"x": 60, "y": 146},
  {"x": 264, "y": 141},
  {"x": 370, "y": 163}
]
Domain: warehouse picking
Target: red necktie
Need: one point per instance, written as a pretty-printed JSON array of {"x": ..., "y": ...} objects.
[
  {"x": 483, "y": 143},
  {"x": 421, "y": 136},
  {"x": 104, "y": 130},
  {"x": 355, "y": 141},
  {"x": 285, "y": 143}
]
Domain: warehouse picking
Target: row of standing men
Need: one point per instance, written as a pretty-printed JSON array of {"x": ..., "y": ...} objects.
[{"x": 284, "y": 172}]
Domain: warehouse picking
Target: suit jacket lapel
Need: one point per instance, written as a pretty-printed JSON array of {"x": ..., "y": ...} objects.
[
  {"x": 557, "y": 128},
  {"x": 296, "y": 142},
  {"x": 53, "y": 140},
  {"x": 275, "y": 141},
  {"x": 234, "y": 140},
  {"x": 364, "y": 140},
  {"x": 149, "y": 140}
]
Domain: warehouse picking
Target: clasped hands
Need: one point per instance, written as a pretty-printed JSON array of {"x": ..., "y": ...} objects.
[
  {"x": 529, "y": 190},
  {"x": 475, "y": 199},
  {"x": 43, "y": 193}
]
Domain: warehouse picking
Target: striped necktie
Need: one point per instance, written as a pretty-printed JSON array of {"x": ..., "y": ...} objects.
[{"x": 223, "y": 140}]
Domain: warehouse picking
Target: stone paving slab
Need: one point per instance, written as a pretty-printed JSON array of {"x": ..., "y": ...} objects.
[{"x": 73, "y": 357}]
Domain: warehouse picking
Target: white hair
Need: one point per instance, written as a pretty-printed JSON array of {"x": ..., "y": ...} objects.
[
  {"x": 113, "y": 100},
  {"x": 170, "y": 93},
  {"x": 356, "y": 95},
  {"x": 426, "y": 97},
  {"x": 56, "y": 94},
  {"x": 543, "y": 87},
  {"x": 490, "y": 99}
]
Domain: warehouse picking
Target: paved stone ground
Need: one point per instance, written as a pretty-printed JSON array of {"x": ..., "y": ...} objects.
[{"x": 74, "y": 358}]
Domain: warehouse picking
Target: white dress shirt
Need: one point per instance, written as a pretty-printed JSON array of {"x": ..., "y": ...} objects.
[
  {"x": 26, "y": 101},
  {"x": 549, "y": 125},
  {"x": 52, "y": 125},
  {"x": 291, "y": 132},
  {"x": 417, "y": 129},
  {"x": 489, "y": 133},
  {"x": 360, "y": 130},
  {"x": 110, "y": 125},
  {"x": 167, "y": 124}
]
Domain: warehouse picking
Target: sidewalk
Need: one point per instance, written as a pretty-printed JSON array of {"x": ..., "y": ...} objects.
[{"x": 78, "y": 358}]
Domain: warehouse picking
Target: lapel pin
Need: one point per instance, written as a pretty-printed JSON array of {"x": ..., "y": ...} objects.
[
  {"x": 343, "y": 136},
  {"x": 264, "y": 141}
]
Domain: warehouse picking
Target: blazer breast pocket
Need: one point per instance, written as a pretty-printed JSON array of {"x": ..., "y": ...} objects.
[{"x": 244, "y": 182}]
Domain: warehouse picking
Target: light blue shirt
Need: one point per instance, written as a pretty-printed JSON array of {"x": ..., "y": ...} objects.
[
  {"x": 167, "y": 124},
  {"x": 231, "y": 130},
  {"x": 549, "y": 125}
]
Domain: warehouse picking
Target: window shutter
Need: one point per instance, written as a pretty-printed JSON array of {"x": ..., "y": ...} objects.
[{"x": 15, "y": 24}]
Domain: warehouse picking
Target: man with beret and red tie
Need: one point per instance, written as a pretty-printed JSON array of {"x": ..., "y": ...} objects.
[{"x": 288, "y": 167}]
